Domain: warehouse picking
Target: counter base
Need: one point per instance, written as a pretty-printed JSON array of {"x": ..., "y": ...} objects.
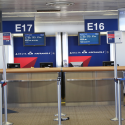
[
  {"x": 24, "y": 105},
  {"x": 91, "y": 103}
]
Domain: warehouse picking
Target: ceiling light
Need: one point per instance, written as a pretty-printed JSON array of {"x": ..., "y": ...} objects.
[
  {"x": 60, "y": 3},
  {"x": 62, "y": 22},
  {"x": 17, "y": 35},
  {"x": 111, "y": 14},
  {"x": 99, "y": 11}
]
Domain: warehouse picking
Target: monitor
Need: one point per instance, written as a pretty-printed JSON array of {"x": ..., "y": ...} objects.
[
  {"x": 108, "y": 63},
  {"x": 89, "y": 38},
  {"x": 46, "y": 64},
  {"x": 76, "y": 64},
  {"x": 34, "y": 39},
  {"x": 13, "y": 65}
]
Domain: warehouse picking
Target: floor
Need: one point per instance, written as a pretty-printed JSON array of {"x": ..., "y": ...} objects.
[{"x": 84, "y": 115}]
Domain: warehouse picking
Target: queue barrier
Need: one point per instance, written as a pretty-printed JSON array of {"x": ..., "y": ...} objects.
[{"x": 118, "y": 81}]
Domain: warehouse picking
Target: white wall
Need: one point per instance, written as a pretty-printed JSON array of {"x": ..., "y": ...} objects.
[{"x": 51, "y": 29}]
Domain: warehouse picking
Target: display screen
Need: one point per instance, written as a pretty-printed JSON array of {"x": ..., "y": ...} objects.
[
  {"x": 34, "y": 39},
  {"x": 88, "y": 38},
  {"x": 46, "y": 64}
]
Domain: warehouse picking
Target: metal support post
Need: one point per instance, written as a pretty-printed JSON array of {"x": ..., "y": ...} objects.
[
  {"x": 59, "y": 98},
  {"x": 116, "y": 87},
  {"x": 0, "y": 103},
  {"x": 5, "y": 87},
  {"x": 119, "y": 103},
  {"x": 59, "y": 119}
]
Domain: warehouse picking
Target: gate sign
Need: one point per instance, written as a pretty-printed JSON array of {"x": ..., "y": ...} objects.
[
  {"x": 101, "y": 25},
  {"x": 18, "y": 26},
  {"x": 6, "y": 38}
]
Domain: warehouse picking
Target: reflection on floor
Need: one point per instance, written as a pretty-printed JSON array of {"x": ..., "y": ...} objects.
[
  {"x": 84, "y": 115},
  {"x": 124, "y": 99}
]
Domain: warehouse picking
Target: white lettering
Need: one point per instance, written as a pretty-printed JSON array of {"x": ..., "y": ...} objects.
[
  {"x": 30, "y": 26},
  {"x": 101, "y": 26},
  {"x": 24, "y": 28},
  {"x": 95, "y": 26},
  {"x": 18, "y": 27},
  {"x": 90, "y": 26}
]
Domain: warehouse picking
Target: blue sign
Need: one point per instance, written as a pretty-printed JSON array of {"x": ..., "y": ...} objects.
[
  {"x": 111, "y": 37},
  {"x": 6, "y": 38},
  {"x": 23, "y": 54},
  {"x": 18, "y": 26},
  {"x": 98, "y": 53},
  {"x": 89, "y": 38},
  {"x": 101, "y": 25}
]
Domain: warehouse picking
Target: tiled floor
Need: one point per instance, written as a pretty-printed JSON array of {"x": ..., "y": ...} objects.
[{"x": 84, "y": 115}]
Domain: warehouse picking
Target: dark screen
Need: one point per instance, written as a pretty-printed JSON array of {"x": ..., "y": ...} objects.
[
  {"x": 46, "y": 64},
  {"x": 108, "y": 63},
  {"x": 13, "y": 65}
]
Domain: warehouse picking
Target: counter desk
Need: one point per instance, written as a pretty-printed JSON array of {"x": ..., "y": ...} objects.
[
  {"x": 32, "y": 86},
  {"x": 90, "y": 85},
  {"x": 83, "y": 85}
]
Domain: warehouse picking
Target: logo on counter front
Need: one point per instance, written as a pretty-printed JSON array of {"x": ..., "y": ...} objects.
[
  {"x": 84, "y": 51},
  {"x": 30, "y": 53}
]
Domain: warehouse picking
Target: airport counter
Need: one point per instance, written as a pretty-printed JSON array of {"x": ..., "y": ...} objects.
[
  {"x": 83, "y": 85},
  {"x": 90, "y": 85},
  {"x": 32, "y": 86}
]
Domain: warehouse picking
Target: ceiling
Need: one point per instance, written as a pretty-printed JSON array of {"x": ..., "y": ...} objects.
[{"x": 75, "y": 13}]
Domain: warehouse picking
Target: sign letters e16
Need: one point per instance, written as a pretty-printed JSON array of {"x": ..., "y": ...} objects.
[{"x": 101, "y": 25}]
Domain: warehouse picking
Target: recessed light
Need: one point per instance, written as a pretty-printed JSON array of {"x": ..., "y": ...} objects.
[{"x": 60, "y": 3}]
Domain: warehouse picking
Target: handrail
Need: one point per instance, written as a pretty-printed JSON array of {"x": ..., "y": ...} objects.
[
  {"x": 89, "y": 79},
  {"x": 48, "y": 80}
]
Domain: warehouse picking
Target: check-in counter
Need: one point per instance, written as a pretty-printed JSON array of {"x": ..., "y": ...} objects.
[
  {"x": 83, "y": 85},
  {"x": 32, "y": 86},
  {"x": 90, "y": 85}
]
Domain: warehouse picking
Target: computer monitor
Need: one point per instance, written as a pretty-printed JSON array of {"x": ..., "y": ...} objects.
[
  {"x": 34, "y": 39},
  {"x": 88, "y": 38},
  {"x": 13, "y": 65},
  {"x": 108, "y": 63},
  {"x": 76, "y": 64},
  {"x": 46, "y": 64}
]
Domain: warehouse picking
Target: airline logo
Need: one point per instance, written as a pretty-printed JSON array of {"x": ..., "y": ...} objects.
[
  {"x": 111, "y": 36},
  {"x": 84, "y": 51},
  {"x": 30, "y": 53}
]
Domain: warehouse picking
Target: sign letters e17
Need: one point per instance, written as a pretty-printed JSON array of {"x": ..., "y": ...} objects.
[{"x": 18, "y": 26}]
